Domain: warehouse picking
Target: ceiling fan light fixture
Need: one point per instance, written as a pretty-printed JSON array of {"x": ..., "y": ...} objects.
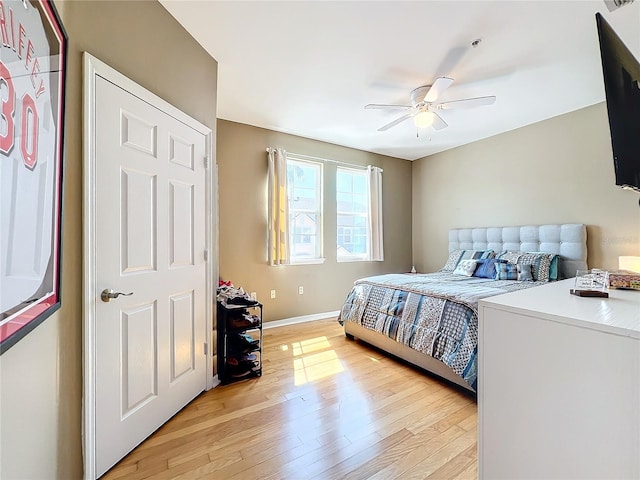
[
  {"x": 424, "y": 105},
  {"x": 424, "y": 119}
]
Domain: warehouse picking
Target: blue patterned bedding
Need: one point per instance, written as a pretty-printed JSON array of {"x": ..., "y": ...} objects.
[{"x": 434, "y": 313}]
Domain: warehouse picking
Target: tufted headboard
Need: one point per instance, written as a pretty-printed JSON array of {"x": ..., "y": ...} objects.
[{"x": 567, "y": 240}]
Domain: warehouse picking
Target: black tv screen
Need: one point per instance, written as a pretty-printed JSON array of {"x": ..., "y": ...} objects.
[{"x": 621, "y": 72}]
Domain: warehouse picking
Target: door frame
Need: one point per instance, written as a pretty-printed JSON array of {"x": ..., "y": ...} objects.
[{"x": 95, "y": 68}]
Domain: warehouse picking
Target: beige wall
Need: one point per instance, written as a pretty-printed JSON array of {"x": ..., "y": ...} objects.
[
  {"x": 41, "y": 376},
  {"x": 556, "y": 171},
  {"x": 242, "y": 181}
]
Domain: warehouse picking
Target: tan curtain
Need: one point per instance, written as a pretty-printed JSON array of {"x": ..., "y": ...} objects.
[
  {"x": 278, "y": 216},
  {"x": 374, "y": 176}
]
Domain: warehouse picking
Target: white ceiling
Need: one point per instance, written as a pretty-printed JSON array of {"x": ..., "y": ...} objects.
[{"x": 308, "y": 68}]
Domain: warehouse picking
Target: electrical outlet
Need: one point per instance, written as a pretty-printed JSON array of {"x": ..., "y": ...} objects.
[
  {"x": 254, "y": 296},
  {"x": 300, "y": 290},
  {"x": 273, "y": 294}
]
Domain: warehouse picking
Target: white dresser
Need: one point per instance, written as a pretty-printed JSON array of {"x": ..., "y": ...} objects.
[{"x": 559, "y": 385}]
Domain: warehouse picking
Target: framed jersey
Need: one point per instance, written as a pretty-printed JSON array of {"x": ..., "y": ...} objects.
[{"x": 32, "y": 85}]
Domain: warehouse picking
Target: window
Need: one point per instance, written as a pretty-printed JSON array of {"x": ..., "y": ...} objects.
[
  {"x": 352, "y": 197},
  {"x": 304, "y": 193},
  {"x": 295, "y": 189}
]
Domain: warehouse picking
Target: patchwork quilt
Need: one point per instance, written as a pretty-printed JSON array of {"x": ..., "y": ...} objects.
[{"x": 435, "y": 313}]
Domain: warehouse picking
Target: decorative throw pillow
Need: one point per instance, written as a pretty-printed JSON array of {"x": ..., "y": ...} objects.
[
  {"x": 509, "y": 256},
  {"x": 541, "y": 262},
  {"x": 553, "y": 269},
  {"x": 506, "y": 271},
  {"x": 525, "y": 272},
  {"x": 466, "y": 267},
  {"x": 487, "y": 267},
  {"x": 452, "y": 261},
  {"x": 457, "y": 255}
]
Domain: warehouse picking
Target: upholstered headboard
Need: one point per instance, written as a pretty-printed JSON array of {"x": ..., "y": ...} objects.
[{"x": 567, "y": 240}]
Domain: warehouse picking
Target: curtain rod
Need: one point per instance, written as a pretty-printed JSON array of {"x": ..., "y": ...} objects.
[{"x": 324, "y": 160}]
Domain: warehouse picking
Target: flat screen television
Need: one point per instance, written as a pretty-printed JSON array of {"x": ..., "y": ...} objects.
[{"x": 621, "y": 72}]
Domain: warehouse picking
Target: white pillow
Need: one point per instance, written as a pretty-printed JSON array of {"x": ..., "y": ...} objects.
[{"x": 466, "y": 267}]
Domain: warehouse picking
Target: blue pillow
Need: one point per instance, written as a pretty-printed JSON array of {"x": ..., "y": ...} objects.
[
  {"x": 487, "y": 267},
  {"x": 506, "y": 271}
]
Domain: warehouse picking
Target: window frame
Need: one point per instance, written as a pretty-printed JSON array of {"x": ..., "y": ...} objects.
[
  {"x": 364, "y": 257},
  {"x": 319, "y": 257}
]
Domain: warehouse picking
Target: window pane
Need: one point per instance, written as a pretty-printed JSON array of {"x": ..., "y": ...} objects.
[
  {"x": 343, "y": 182},
  {"x": 302, "y": 174},
  {"x": 352, "y": 220},
  {"x": 360, "y": 203},
  {"x": 309, "y": 179},
  {"x": 360, "y": 221},
  {"x": 303, "y": 223},
  {"x": 352, "y": 241},
  {"x": 360, "y": 184},
  {"x": 303, "y": 247},
  {"x": 345, "y": 202},
  {"x": 304, "y": 203},
  {"x": 304, "y": 192},
  {"x": 352, "y": 213}
]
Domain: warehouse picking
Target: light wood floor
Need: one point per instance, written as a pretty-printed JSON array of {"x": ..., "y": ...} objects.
[{"x": 325, "y": 408}]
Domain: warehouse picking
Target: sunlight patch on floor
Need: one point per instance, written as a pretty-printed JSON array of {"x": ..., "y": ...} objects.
[
  {"x": 309, "y": 366},
  {"x": 310, "y": 345}
]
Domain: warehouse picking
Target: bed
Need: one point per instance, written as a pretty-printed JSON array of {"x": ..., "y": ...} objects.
[{"x": 431, "y": 320}]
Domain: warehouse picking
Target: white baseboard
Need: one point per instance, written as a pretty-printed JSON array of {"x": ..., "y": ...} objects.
[{"x": 302, "y": 319}]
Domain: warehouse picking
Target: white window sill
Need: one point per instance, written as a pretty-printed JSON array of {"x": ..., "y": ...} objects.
[
  {"x": 310, "y": 261},
  {"x": 352, "y": 259}
]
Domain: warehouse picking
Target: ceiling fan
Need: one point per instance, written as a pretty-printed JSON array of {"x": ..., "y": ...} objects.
[{"x": 424, "y": 105}]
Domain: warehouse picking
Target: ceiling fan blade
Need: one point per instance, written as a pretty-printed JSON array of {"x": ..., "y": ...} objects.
[
  {"x": 396, "y": 121},
  {"x": 439, "y": 86},
  {"x": 374, "y": 106},
  {"x": 466, "y": 103},
  {"x": 438, "y": 122}
]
